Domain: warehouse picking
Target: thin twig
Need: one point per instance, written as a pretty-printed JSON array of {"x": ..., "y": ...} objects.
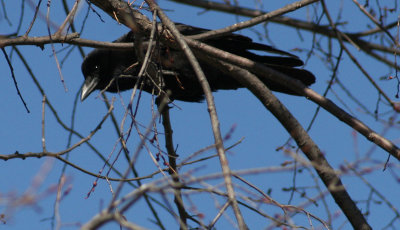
[
  {"x": 52, "y": 45},
  {"x": 69, "y": 19},
  {"x": 43, "y": 124},
  {"x": 254, "y": 21},
  {"x": 33, "y": 19},
  {"x": 14, "y": 79}
]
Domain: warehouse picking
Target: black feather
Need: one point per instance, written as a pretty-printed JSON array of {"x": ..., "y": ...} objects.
[{"x": 115, "y": 70}]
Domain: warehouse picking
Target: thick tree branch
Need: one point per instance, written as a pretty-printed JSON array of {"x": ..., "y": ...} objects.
[
  {"x": 264, "y": 72},
  {"x": 173, "y": 169},
  {"x": 303, "y": 140},
  {"x": 68, "y": 39}
]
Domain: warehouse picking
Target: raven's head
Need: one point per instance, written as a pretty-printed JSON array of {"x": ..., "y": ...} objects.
[
  {"x": 108, "y": 69},
  {"x": 94, "y": 68}
]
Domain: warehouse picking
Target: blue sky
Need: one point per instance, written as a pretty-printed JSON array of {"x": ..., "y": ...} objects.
[{"x": 262, "y": 133}]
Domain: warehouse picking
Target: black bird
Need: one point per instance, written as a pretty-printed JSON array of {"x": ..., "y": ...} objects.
[{"x": 115, "y": 70}]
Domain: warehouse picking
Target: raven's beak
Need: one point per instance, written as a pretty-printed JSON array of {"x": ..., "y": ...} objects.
[{"x": 89, "y": 86}]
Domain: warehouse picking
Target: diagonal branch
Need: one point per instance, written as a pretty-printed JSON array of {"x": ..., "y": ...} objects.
[
  {"x": 211, "y": 109},
  {"x": 264, "y": 72},
  {"x": 303, "y": 140}
]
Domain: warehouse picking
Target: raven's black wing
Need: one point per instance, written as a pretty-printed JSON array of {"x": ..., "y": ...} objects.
[
  {"x": 115, "y": 70},
  {"x": 243, "y": 46}
]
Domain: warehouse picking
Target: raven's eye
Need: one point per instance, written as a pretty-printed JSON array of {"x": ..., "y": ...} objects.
[{"x": 96, "y": 68}]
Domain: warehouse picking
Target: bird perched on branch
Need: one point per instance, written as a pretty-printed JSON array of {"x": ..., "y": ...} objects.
[{"x": 169, "y": 70}]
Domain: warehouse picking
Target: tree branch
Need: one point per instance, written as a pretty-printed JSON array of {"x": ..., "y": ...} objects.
[{"x": 303, "y": 140}]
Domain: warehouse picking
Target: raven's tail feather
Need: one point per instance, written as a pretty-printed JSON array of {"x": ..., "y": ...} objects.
[{"x": 306, "y": 77}]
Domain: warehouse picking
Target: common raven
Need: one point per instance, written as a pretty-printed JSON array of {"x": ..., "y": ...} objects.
[{"x": 117, "y": 70}]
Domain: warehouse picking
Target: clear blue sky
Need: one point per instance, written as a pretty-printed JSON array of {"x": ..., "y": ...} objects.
[{"x": 262, "y": 133}]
